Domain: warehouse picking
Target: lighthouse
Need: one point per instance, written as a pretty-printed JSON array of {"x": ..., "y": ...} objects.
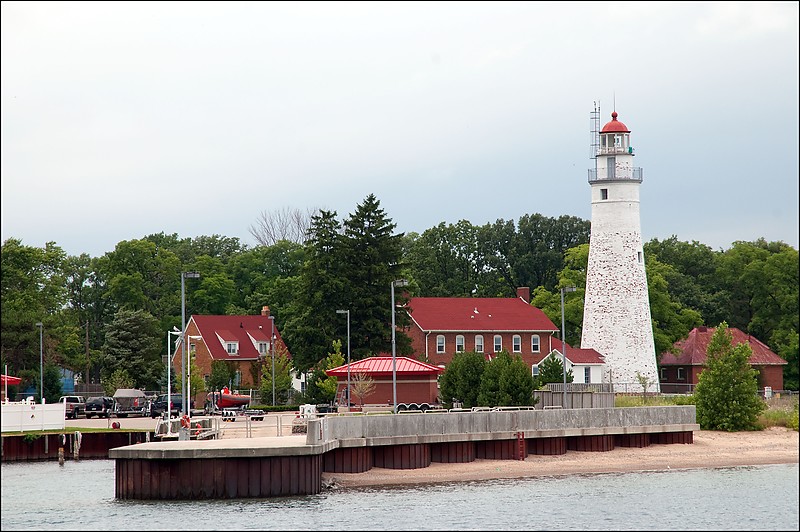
[{"x": 616, "y": 315}]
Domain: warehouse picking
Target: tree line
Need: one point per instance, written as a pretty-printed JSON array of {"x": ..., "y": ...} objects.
[{"x": 103, "y": 314}]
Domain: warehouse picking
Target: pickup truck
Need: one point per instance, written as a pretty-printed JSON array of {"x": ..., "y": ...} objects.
[{"x": 76, "y": 405}]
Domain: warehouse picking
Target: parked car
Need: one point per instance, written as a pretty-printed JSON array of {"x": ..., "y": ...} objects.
[
  {"x": 99, "y": 406},
  {"x": 159, "y": 406},
  {"x": 75, "y": 405}
]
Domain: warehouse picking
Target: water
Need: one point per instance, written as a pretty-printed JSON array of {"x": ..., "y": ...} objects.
[{"x": 80, "y": 496}]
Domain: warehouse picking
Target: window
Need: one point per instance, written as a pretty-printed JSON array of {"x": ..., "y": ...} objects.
[
  {"x": 517, "y": 343},
  {"x": 459, "y": 344},
  {"x": 262, "y": 348},
  {"x": 535, "y": 346},
  {"x": 587, "y": 375},
  {"x": 498, "y": 343},
  {"x": 232, "y": 348},
  {"x": 663, "y": 374},
  {"x": 534, "y": 370},
  {"x": 639, "y": 254},
  {"x": 603, "y": 193},
  {"x": 440, "y": 343},
  {"x": 478, "y": 343},
  {"x": 680, "y": 374}
]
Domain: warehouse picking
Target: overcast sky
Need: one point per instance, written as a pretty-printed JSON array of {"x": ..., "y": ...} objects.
[{"x": 121, "y": 119}]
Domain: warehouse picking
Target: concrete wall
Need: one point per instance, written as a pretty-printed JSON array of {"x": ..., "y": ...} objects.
[{"x": 459, "y": 426}]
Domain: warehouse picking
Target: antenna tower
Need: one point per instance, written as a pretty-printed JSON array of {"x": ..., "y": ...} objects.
[{"x": 594, "y": 131}]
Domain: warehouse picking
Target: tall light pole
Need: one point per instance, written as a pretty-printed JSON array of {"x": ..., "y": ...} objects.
[
  {"x": 398, "y": 282},
  {"x": 272, "y": 351},
  {"x": 564, "y": 346},
  {"x": 169, "y": 378},
  {"x": 41, "y": 364},
  {"x": 348, "y": 352},
  {"x": 189, "y": 371},
  {"x": 184, "y": 276}
]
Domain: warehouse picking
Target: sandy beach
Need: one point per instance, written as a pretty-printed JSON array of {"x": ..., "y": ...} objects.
[{"x": 775, "y": 445}]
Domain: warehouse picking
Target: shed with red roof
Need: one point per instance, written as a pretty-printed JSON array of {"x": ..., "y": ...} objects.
[{"x": 416, "y": 381}]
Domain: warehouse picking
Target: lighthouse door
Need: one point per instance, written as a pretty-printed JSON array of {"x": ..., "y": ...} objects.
[{"x": 611, "y": 163}]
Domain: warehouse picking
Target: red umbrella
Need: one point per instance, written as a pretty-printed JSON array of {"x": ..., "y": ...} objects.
[{"x": 8, "y": 379}]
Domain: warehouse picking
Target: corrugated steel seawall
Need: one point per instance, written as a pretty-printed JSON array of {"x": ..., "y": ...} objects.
[
  {"x": 218, "y": 478},
  {"x": 18, "y": 448}
]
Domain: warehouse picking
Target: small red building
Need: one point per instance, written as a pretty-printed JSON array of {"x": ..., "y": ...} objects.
[
  {"x": 679, "y": 372},
  {"x": 417, "y": 382}
]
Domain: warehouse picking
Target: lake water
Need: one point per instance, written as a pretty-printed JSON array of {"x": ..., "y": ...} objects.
[{"x": 80, "y": 496}]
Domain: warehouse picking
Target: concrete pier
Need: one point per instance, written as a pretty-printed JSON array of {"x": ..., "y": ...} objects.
[{"x": 293, "y": 465}]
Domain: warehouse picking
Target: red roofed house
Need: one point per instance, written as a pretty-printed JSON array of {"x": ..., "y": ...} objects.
[
  {"x": 416, "y": 381},
  {"x": 679, "y": 373},
  {"x": 243, "y": 340},
  {"x": 443, "y": 326},
  {"x": 587, "y": 365}
]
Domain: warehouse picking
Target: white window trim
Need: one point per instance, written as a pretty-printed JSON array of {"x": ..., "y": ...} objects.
[
  {"x": 479, "y": 337},
  {"x": 460, "y": 348},
  {"x": 495, "y": 343},
  {"x": 516, "y": 343},
  {"x": 440, "y": 347},
  {"x": 234, "y": 345},
  {"x": 536, "y": 348}
]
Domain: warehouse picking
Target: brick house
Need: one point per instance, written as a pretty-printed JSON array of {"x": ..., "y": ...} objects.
[
  {"x": 417, "y": 382},
  {"x": 243, "y": 340},
  {"x": 443, "y": 326},
  {"x": 679, "y": 372}
]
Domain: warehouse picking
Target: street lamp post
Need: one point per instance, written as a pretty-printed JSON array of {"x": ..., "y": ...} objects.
[
  {"x": 348, "y": 352},
  {"x": 169, "y": 379},
  {"x": 564, "y": 347},
  {"x": 184, "y": 276},
  {"x": 41, "y": 364},
  {"x": 272, "y": 351},
  {"x": 398, "y": 282},
  {"x": 189, "y": 371}
]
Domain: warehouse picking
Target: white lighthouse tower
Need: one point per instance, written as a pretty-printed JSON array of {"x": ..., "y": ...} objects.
[{"x": 616, "y": 316}]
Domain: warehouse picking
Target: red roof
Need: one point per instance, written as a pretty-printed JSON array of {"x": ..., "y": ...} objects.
[
  {"x": 248, "y": 331},
  {"x": 615, "y": 126},
  {"x": 10, "y": 380},
  {"x": 382, "y": 366},
  {"x": 693, "y": 349},
  {"x": 477, "y": 314},
  {"x": 576, "y": 355}
]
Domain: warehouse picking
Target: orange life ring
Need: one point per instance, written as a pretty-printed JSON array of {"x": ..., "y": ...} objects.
[
  {"x": 185, "y": 423},
  {"x": 198, "y": 427}
]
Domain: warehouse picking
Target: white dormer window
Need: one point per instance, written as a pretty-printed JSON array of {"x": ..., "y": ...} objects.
[
  {"x": 232, "y": 348},
  {"x": 263, "y": 347}
]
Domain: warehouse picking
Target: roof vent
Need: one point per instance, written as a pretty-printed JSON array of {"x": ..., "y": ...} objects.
[{"x": 475, "y": 310}]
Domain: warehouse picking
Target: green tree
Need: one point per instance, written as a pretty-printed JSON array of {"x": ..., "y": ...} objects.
[
  {"x": 551, "y": 370},
  {"x": 222, "y": 373},
  {"x": 461, "y": 379},
  {"x": 492, "y": 390},
  {"x": 371, "y": 259},
  {"x": 117, "y": 380},
  {"x": 133, "y": 343},
  {"x": 517, "y": 383},
  {"x": 53, "y": 389},
  {"x": 726, "y": 395},
  {"x": 328, "y": 385},
  {"x": 283, "y": 378}
]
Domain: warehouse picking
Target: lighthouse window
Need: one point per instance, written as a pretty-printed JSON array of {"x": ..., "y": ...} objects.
[
  {"x": 640, "y": 256},
  {"x": 603, "y": 193}
]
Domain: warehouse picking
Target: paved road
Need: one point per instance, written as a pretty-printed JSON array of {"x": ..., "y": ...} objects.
[{"x": 230, "y": 429}]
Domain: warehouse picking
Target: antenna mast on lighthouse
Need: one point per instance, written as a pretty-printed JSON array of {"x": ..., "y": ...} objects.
[{"x": 594, "y": 132}]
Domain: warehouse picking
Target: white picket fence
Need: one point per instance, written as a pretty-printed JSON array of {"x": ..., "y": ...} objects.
[{"x": 26, "y": 415}]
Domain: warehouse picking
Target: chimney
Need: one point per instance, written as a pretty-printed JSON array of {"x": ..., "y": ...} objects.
[
  {"x": 524, "y": 292},
  {"x": 265, "y": 310}
]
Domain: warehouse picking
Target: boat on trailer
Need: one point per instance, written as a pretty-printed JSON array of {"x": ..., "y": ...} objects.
[{"x": 226, "y": 399}]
